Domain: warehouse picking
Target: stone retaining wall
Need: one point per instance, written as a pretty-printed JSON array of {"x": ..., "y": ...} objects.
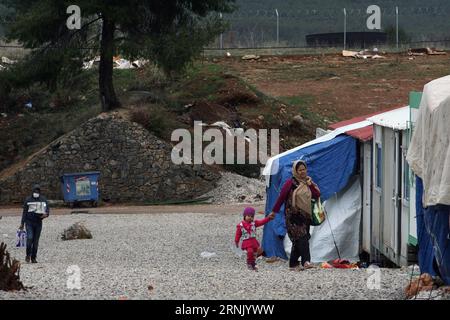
[{"x": 134, "y": 165}]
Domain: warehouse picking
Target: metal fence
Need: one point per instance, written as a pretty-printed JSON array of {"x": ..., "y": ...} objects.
[
  {"x": 288, "y": 26},
  {"x": 285, "y": 29}
]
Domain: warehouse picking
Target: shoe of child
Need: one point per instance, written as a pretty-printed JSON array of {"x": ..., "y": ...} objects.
[
  {"x": 252, "y": 267},
  {"x": 308, "y": 265}
]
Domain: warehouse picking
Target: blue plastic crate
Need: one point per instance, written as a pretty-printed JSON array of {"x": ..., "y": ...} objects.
[{"x": 80, "y": 187}]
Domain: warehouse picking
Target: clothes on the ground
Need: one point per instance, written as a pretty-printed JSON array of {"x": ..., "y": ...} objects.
[{"x": 343, "y": 264}]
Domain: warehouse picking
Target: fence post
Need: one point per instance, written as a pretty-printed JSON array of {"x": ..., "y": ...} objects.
[
  {"x": 396, "y": 20},
  {"x": 278, "y": 28},
  {"x": 221, "y": 35},
  {"x": 345, "y": 28}
]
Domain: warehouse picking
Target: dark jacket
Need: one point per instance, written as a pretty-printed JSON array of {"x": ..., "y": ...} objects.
[{"x": 32, "y": 217}]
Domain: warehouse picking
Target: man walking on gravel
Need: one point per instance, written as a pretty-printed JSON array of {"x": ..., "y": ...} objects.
[{"x": 35, "y": 209}]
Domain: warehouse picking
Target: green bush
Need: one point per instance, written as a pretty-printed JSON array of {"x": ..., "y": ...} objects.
[{"x": 155, "y": 119}]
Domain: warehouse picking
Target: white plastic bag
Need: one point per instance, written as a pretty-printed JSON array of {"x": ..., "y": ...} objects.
[
  {"x": 208, "y": 255},
  {"x": 287, "y": 243},
  {"x": 21, "y": 238},
  {"x": 236, "y": 250}
]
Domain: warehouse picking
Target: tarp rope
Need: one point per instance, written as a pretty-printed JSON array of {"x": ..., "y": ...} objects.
[{"x": 332, "y": 234}]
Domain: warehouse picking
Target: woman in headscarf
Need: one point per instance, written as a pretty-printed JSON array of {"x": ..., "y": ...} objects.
[{"x": 296, "y": 195}]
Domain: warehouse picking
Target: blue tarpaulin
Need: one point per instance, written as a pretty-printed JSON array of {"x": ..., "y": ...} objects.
[
  {"x": 330, "y": 164},
  {"x": 433, "y": 236}
]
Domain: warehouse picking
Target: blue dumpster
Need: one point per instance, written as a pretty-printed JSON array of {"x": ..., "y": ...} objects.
[{"x": 80, "y": 187}]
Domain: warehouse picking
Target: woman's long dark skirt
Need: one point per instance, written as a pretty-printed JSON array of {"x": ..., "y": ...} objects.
[{"x": 300, "y": 248}]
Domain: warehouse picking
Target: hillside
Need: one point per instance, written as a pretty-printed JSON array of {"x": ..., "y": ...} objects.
[
  {"x": 207, "y": 92},
  {"x": 331, "y": 87}
]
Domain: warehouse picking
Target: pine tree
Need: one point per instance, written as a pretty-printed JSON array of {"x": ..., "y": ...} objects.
[{"x": 168, "y": 32}]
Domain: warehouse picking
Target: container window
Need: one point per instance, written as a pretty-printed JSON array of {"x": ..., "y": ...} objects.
[
  {"x": 406, "y": 182},
  {"x": 378, "y": 165}
]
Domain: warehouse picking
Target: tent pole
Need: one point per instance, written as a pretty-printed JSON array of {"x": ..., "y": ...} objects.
[{"x": 332, "y": 234}]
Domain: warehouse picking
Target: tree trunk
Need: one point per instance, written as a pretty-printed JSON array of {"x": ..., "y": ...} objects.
[{"x": 107, "y": 94}]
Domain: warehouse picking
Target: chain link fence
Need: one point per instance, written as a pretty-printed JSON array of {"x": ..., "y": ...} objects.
[
  {"x": 285, "y": 29},
  {"x": 419, "y": 25}
]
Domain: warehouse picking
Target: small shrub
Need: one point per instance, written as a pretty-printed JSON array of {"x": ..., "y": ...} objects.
[
  {"x": 9, "y": 271},
  {"x": 156, "y": 120},
  {"x": 61, "y": 99},
  {"x": 141, "y": 116}
]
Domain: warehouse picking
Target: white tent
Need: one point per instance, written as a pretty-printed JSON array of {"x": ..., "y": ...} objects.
[{"x": 429, "y": 153}]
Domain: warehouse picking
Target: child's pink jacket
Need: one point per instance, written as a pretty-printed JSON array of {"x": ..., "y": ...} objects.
[{"x": 248, "y": 231}]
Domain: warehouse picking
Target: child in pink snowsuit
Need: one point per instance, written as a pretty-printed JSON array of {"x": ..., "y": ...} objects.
[{"x": 246, "y": 229}]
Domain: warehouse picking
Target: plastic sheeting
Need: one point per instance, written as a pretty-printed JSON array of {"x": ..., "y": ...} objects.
[
  {"x": 343, "y": 218},
  {"x": 272, "y": 166},
  {"x": 433, "y": 232},
  {"x": 429, "y": 152},
  {"x": 330, "y": 164}
]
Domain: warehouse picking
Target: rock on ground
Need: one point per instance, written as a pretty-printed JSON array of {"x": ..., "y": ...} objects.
[
  {"x": 77, "y": 231},
  {"x": 134, "y": 252}
]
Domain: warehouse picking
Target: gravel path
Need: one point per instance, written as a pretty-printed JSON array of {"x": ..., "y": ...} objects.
[{"x": 131, "y": 252}]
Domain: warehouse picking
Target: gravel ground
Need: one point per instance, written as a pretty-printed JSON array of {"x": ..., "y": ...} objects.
[
  {"x": 234, "y": 188},
  {"x": 129, "y": 253}
]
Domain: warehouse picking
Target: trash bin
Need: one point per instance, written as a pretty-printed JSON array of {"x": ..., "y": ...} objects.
[{"x": 80, "y": 187}]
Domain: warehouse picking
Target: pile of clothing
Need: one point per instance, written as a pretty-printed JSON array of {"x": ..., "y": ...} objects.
[{"x": 339, "y": 264}]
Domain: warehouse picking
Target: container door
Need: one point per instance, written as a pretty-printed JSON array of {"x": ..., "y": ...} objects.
[
  {"x": 390, "y": 194},
  {"x": 377, "y": 178},
  {"x": 397, "y": 198},
  {"x": 406, "y": 202},
  {"x": 367, "y": 191}
]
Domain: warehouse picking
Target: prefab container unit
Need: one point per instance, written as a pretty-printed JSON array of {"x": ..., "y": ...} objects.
[
  {"x": 388, "y": 224},
  {"x": 391, "y": 192}
]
